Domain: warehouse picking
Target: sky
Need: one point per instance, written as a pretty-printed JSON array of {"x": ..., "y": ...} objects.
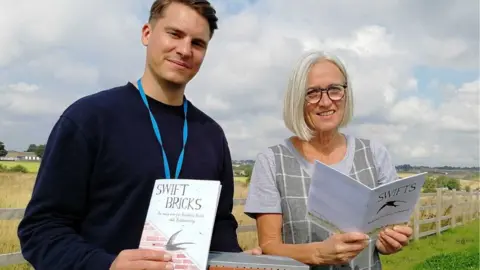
[{"x": 414, "y": 68}]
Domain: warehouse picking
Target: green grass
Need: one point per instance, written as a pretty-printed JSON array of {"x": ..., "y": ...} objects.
[
  {"x": 32, "y": 166},
  {"x": 466, "y": 259},
  {"x": 242, "y": 179},
  {"x": 454, "y": 249}
]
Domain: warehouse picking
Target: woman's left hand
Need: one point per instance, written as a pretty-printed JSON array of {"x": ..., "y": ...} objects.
[
  {"x": 393, "y": 240},
  {"x": 254, "y": 251}
]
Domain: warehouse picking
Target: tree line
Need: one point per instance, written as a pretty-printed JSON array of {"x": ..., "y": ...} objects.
[
  {"x": 37, "y": 149},
  {"x": 408, "y": 167}
]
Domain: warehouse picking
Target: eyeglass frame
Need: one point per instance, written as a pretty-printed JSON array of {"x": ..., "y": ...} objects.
[{"x": 326, "y": 90}]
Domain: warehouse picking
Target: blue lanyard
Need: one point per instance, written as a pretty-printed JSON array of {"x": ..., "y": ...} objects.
[{"x": 159, "y": 138}]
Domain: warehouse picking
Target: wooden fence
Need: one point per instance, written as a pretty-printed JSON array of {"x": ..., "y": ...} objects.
[{"x": 435, "y": 213}]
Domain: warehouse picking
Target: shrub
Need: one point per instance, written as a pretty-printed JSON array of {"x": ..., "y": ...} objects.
[
  {"x": 442, "y": 181},
  {"x": 3, "y": 168},
  {"x": 430, "y": 185},
  {"x": 451, "y": 183},
  {"x": 465, "y": 259},
  {"x": 18, "y": 168}
]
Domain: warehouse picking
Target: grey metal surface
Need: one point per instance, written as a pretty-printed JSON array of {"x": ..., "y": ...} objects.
[
  {"x": 245, "y": 260},
  {"x": 11, "y": 213},
  {"x": 11, "y": 259}
]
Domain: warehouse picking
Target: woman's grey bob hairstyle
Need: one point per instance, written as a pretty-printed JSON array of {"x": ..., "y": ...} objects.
[{"x": 294, "y": 101}]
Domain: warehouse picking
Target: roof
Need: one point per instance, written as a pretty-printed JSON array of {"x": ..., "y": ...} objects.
[{"x": 20, "y": 154}]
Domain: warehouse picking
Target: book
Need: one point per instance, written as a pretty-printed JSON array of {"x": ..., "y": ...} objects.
[
  {"x": 340, "y": 203},
  {"x": 180, "y": 220},
  {"x": 241, "y": 261}
]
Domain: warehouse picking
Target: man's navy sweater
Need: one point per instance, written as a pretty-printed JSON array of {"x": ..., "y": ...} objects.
[{"x": 94, "y": 184}]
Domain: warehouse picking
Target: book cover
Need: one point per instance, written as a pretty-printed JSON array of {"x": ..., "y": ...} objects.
[
  {"x": 339, "y": 203},
  {"x": 393, "y": 203},
  {"x": 241, "y": 260},
  {"x": 180, "y": 220}
]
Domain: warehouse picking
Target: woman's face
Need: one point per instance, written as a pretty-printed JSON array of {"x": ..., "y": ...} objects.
[{"x": 322, "y": 113}]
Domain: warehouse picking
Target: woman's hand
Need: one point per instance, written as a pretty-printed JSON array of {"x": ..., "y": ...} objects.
[
  {"x": 393, "y": 240},
  {"x": 338, "y": 248},
  {"x": 254, "y": 251}
]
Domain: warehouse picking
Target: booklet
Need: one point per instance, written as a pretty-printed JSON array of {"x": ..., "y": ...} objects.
[
  {"x": 180, "y": 220},
  {"x": 339, "y": 203}
]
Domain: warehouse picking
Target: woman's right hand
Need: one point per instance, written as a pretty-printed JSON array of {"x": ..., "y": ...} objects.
[{"x": 339, "y": 248}]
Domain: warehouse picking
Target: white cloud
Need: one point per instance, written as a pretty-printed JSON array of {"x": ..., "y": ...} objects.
[
  {"x": 369, "y": 41},
  {"x": 71, "y": 71},
  {"x": 461, "y": 110},
  {"x": 24, "y": 99},
  {"x": 79, "y": 48},
  {"x": 215, "y": 103},
  {"x": 413, "y": 110},
  {"x": 22, "y": 87}
]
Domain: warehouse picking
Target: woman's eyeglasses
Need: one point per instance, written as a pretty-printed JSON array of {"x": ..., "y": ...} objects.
[{"x": 334, "y": 92}]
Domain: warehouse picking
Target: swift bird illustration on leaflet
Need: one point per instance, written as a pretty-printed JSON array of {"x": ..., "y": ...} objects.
[
  {"x": 389, "y": 203},
  {"x": 171, "y": 246}
]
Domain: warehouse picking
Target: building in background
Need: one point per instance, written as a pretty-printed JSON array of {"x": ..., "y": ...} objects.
[{"x": 21, "y": 156}]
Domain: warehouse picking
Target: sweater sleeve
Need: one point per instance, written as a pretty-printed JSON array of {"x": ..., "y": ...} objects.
[
  {"x": 49, "y": 232},
  {"x": 224, "y": 236}
]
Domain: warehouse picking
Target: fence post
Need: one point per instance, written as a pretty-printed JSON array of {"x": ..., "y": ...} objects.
[
  {"x": 454, "y": 208},
  {"x": 464, "y": 208},
  {"x": 416, "y": 221},
  {"x": 472, "y": 205},
  {"x": 477, "y": 204},
  {"x": 438, "y": 216}
]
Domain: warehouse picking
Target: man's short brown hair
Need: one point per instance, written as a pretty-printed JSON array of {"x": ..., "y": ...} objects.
[{"x": 203, "y": 7}]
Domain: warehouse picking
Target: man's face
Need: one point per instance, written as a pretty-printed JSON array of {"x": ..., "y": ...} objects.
[{"x": 176, "y": 44}]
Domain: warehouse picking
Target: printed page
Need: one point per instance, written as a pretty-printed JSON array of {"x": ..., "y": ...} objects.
[
  {"x": 180, "y": 220},
  {"x": 394, "y": 202},
  {"x": 336, "y": 201}
]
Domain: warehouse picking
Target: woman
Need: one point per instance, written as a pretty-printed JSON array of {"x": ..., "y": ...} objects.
[{"x": 318, "y": 102}]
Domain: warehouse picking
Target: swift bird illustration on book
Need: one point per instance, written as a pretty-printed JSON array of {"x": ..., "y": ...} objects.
[
  {"x": 171, "y": 246},
  {"x": 389, "y": 203}
]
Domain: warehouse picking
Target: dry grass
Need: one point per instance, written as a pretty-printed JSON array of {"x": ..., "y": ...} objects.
[
  {"x": 471, "y": 183},
  {"x": 242, "y": 179},
  {"x": 403, "y": 174},
  {"x": 15, "y": 192},
  {"x": 247, "y": 240}
]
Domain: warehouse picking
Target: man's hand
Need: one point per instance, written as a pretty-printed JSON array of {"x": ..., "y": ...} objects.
[
  {"x": 142, "y": 259},
  {"x": 393, "y": 240},
  {"x": 254, "y": 251}
]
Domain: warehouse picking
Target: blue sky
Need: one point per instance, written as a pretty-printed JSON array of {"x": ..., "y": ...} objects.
[{"x": 442, "y": 76}]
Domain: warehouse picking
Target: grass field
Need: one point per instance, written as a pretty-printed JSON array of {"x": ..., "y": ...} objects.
[
  {"x": 241, "y": 179},
  {"x": 405, "y": 174},
  {"x": 15, "y": 191},
  {"x": 460, "y": 239},
  {"x": 473, "y": 183}
]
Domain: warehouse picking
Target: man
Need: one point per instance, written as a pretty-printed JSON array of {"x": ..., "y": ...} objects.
[{"x": 91, "y": 196}]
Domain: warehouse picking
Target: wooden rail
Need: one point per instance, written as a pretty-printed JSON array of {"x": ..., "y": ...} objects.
[
  {"x": 448, "y": 207},
  {"x": 437, "y": 212}
]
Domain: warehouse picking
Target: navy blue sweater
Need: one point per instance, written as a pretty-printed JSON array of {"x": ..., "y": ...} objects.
[{"x": 94, "y": 184}]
